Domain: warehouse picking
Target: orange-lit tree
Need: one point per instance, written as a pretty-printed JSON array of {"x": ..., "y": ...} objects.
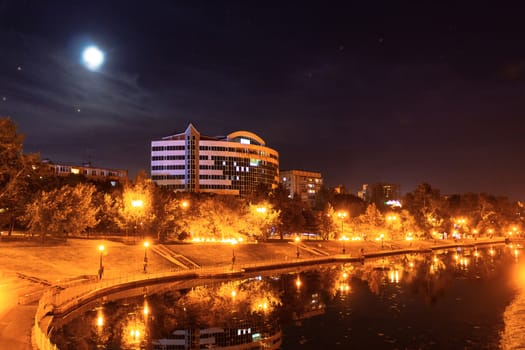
[
  {"x": 136, "y": 210},
  {"x": 327, "y": 222},
  {"x": 69, "y": 209},
  {"x": 259, "y": 220},
  {"x": 371, "y": 222},
  {"x": 21, "y": 175}
]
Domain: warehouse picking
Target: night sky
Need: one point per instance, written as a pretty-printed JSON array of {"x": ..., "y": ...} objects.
[{"x": 397, "y": 91}]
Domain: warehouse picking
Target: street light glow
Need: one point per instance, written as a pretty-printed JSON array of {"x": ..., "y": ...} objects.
[{"x": 136, "y": 203}]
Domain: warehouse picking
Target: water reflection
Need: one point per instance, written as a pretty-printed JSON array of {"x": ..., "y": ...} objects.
[
  {"x": 446, "y": 299},
  {"x": 513, "y": 335}
]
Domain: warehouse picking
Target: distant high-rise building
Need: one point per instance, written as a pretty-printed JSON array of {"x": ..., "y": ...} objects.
[
  {"x": 363, "y": 194},
  {"x": 235, "y": 164},
  {"x": 304, "y": 184},
  {"x": 341, "y": 189},
  {"x": 381, "y": 194}
]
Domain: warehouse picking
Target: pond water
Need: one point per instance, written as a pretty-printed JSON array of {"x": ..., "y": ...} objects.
[{"x": 451, "y": 299}]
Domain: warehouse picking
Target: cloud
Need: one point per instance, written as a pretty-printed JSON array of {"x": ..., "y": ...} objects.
[{"x": 51, "y": 86}]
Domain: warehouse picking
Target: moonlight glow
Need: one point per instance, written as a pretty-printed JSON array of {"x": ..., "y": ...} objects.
[{"x": 93, "y": 57}]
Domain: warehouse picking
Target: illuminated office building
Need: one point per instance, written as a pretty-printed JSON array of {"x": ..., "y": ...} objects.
[{"x": 234, "y": 164}]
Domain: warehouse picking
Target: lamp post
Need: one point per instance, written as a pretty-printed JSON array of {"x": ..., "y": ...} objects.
[
  {"x": 343, "y": 239},
  {"x": 100, "y": 267},
  {"x": 297, "y": 240},
  {"x": 261, "y": 210},
  {"x": 136, "y": 203},
  {"x": 234, "y": 242},
  {"x": 342, "y": 215},
  {"x": 146, "y": 245}
]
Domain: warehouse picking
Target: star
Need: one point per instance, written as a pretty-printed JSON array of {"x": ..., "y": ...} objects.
[{"x": 19, "y": 68}]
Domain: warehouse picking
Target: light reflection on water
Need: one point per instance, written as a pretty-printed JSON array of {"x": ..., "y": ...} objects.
[
  {"x": 513, "y": 335},
  {"x": 446, "y": 300}
]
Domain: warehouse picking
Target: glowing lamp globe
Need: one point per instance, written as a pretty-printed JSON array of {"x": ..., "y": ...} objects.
[{"x": 93, "y": 57}]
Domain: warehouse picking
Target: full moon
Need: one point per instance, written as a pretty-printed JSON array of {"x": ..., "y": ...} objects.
[{"x": 93, "y": 57}]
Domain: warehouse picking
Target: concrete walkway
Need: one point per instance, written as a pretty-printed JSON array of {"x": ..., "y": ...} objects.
[
  {"x": 15, "y": 327},
  {"x": 16, "y": 320}
]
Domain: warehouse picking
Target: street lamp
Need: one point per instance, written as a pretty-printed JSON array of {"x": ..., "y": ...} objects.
[
  {"x": 146, "y": 245},
  {"x": 100, "y": 267},
  {"x": 136, "y": 203},
  {"x": 234, "y": 242},
  {"x": 342, "y": 215},
  {"x": 297, "y": 240},
  {"x": 261, "y": 210},
  {"x": 343, "y": 239}
]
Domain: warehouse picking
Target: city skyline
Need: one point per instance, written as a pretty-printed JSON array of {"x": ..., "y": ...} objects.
[{"x": 362, "y": 93}]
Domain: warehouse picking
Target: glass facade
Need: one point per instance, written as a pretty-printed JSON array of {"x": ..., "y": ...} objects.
[{"x": 235, "y": 164}]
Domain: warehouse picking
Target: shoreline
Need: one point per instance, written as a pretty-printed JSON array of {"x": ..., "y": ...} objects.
[{"x": 16, "y": 332}]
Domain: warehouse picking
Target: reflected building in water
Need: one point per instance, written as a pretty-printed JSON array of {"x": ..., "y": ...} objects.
[
  {"x": 239, "y": 338},
  {"x": 315, "y": 308}
]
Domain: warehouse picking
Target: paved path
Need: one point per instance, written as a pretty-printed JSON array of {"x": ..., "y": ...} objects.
[
  {"x": 16, "y": 320},
  {"x": 15, "y": 327}
]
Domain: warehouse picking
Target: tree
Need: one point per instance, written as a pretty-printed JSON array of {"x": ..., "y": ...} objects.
[
  {"x": 327, "y": 225},
  {"x": 136, "y": 210},
  {"x": 290, "y": 211},
  {"x": 20, "y": 175},
  {"x": 62, "y": 211},
  {"x": 109, "y": 204},
  {"x": 370, "y": 222},
  {"x": 401, "y": 224},
  {"x": 171, "y": 215},
  {"x": 217, "y": 218},
  {"x": 260, "y": 218},
  {"x": 323, "y": 198},
  {"x": 350, "y": 203},
  {"x": 428, "y": 208},
  {"x": 291, "y": 217}
]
